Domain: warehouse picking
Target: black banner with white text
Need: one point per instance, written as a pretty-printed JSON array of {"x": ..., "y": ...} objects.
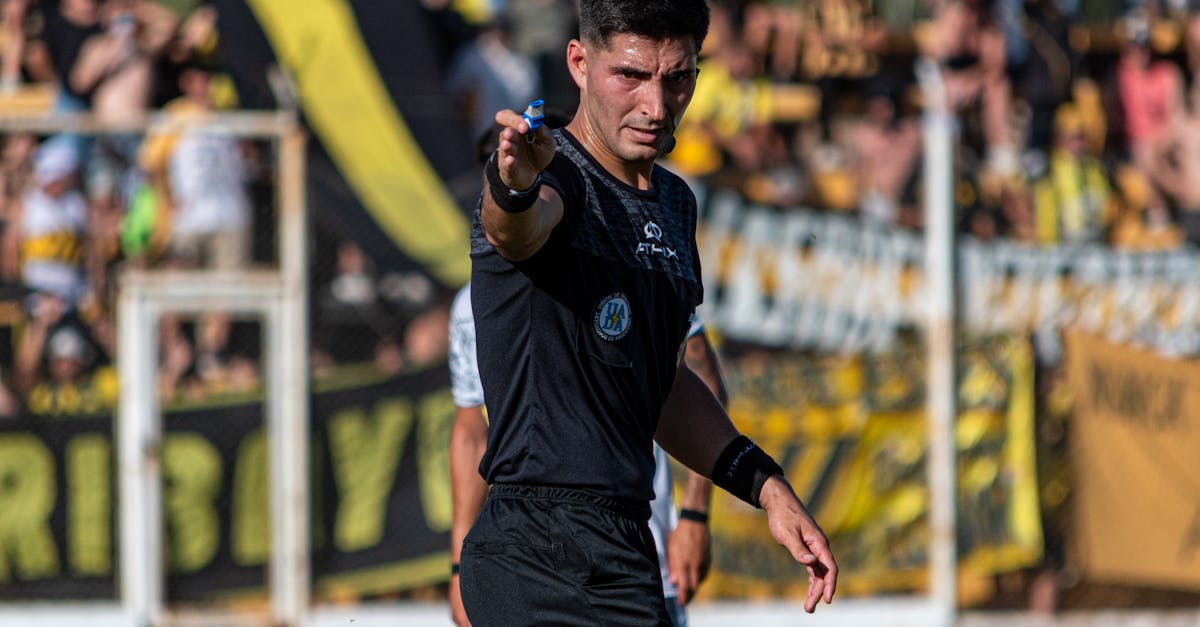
[{"x": 381, "y": 495}]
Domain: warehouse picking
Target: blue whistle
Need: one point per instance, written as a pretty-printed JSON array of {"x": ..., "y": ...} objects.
[{"x": 533, "y": 115}]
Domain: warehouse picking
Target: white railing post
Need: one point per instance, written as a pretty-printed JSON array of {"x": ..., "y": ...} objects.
[
  {"x": 139, "y": 435},
  {"x": 941, "y": 391},
  {"x": 289, "y": 422}
]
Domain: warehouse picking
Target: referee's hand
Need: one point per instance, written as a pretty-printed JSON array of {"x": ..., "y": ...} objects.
[
  {"x": 795, "y": 529},
  {"x": 521, "y": 154},
  {"x": 457, "y": 612}
]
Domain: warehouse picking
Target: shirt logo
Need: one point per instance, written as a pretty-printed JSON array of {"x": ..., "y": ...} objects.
[
  {"x": 612, "y": 319},
  {"x": 652, "y": 243}
]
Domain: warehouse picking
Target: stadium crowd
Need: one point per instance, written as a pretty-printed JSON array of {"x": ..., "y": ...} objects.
[
  {"x": 1075, "y": 116},
  {"x": 1076, "y": 120}
]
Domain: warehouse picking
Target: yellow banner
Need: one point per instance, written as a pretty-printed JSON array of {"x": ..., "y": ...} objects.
[
  {"x": 851, "y": 434},
  {"x": 345, "y": 101},
  {"x": 1135, "y": 442}
]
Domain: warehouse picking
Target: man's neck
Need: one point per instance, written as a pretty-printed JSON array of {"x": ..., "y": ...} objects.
[{"x": 635, "y": 174}]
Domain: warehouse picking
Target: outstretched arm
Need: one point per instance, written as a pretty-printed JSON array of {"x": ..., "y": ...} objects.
[{"x": 696, "y": 431}]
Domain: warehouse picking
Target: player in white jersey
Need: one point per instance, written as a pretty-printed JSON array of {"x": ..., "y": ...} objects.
[{"x": 682, "y": 543}]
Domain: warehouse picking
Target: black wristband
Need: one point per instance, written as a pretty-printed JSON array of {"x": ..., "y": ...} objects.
[
  {"x": 743, "y": 468},
  {"x": 453, "y": 568},
  {"x": 693, "y": 515},
  {"x": 507, "y": 198}
]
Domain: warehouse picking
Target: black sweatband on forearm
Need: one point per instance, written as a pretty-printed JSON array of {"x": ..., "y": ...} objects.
[
  {"x": 743, "y": 468},
  {"x": 693, "y": 515},
  {"x": 505, "y": 197}
]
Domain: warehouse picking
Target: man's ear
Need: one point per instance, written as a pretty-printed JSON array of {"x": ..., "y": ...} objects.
[{"x": 577, "y": 62}]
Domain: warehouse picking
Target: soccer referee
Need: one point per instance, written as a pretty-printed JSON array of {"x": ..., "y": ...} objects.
[{"x": 585, "y": 275}]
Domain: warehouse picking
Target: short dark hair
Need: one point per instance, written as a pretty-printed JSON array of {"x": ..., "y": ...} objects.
[{"x": 599, "y": 20}]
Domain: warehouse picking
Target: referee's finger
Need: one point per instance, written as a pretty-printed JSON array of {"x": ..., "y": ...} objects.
[
  {"x": 795, "y": 545},
  {"x": 831, "y": 573},
  {"x": 511, "y": 119},
  {"x": 816, "y": 586},
  {"x": 689, "y": 583}
]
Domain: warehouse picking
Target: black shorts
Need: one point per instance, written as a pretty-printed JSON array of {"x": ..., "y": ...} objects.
[{"x": 559, "y": 556}]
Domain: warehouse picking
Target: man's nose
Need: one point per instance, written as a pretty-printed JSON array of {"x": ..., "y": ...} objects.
[{"x": 654, "y": 105}]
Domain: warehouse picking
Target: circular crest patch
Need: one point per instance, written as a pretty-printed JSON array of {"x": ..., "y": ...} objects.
[{"x": 612, "y": 319}]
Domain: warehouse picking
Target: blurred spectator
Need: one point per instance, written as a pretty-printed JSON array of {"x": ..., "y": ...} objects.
[
  {"x": 967, "y": 39},
  {"x": 1144, "y": 222},
  {"x": 1151, "y": 93},
  {"x": 350, "y": 310},
  {"x": 1072, "y": 201},
  {"x": 116, "y": 64},
  {"x": 176, "y": 373},
  {"x": 488, "y": 75},
  {"x": 46, "y": 241},
  {"x": 184, "y": 374},
  {"x": 829, "y": 165},
  {"x": 200, "y": 177},
  {"x": 57, "y": 369},
  {"x": 16, "y": 169},
  {"x": 427, "y": 336},
  {"x": 841, "y": 38},
  {"x": 772, "y": 30},
  {"x": 1089, "y": 101},
  {"x": 1046, "y": 72},
  {"x": 389, "y": 356},
  {"x": 12, "y": 42},
  {"x": 1016, "y": 205},
  {"x": 1176, "y": 171},
  {"x": 887, "y": 147},
  {"x": 67, "y": 25}
]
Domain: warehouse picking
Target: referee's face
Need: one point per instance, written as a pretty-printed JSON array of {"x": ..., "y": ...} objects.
[{"x": 631, "y": 94}]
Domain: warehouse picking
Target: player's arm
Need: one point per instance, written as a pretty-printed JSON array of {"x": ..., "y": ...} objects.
[
  {"x": 518, "y": 211},
  {"x": 468, "y": 439},
  {"x": 695, "y": 430},
  {"x": 689, "y": 547},
  {"x": 702, "y": 359}
]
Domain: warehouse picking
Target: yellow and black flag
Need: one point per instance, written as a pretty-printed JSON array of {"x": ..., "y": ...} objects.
[{"x": 393, "y": 167}]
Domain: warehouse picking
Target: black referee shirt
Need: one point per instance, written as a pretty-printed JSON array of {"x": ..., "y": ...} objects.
[{"x": 578, "y": 344}]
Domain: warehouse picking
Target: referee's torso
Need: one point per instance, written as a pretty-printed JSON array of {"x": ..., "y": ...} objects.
[{"x": 578, "y": 345}]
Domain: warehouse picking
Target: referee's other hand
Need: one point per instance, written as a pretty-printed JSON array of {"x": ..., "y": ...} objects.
[
  {"x": 795, "y": 529},
  {"x": 458, "y": 613}
]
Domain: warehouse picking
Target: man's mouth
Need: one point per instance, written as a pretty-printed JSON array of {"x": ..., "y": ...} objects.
[{"x": 646, "y": 135}]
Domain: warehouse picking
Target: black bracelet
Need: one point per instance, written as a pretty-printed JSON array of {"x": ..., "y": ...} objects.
[
  {"x": 507, "y": 198},
  {"x": 743, "y": 468},
  {"x": 453, "y": 568},
  {"x": 693, "y": 515}
]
